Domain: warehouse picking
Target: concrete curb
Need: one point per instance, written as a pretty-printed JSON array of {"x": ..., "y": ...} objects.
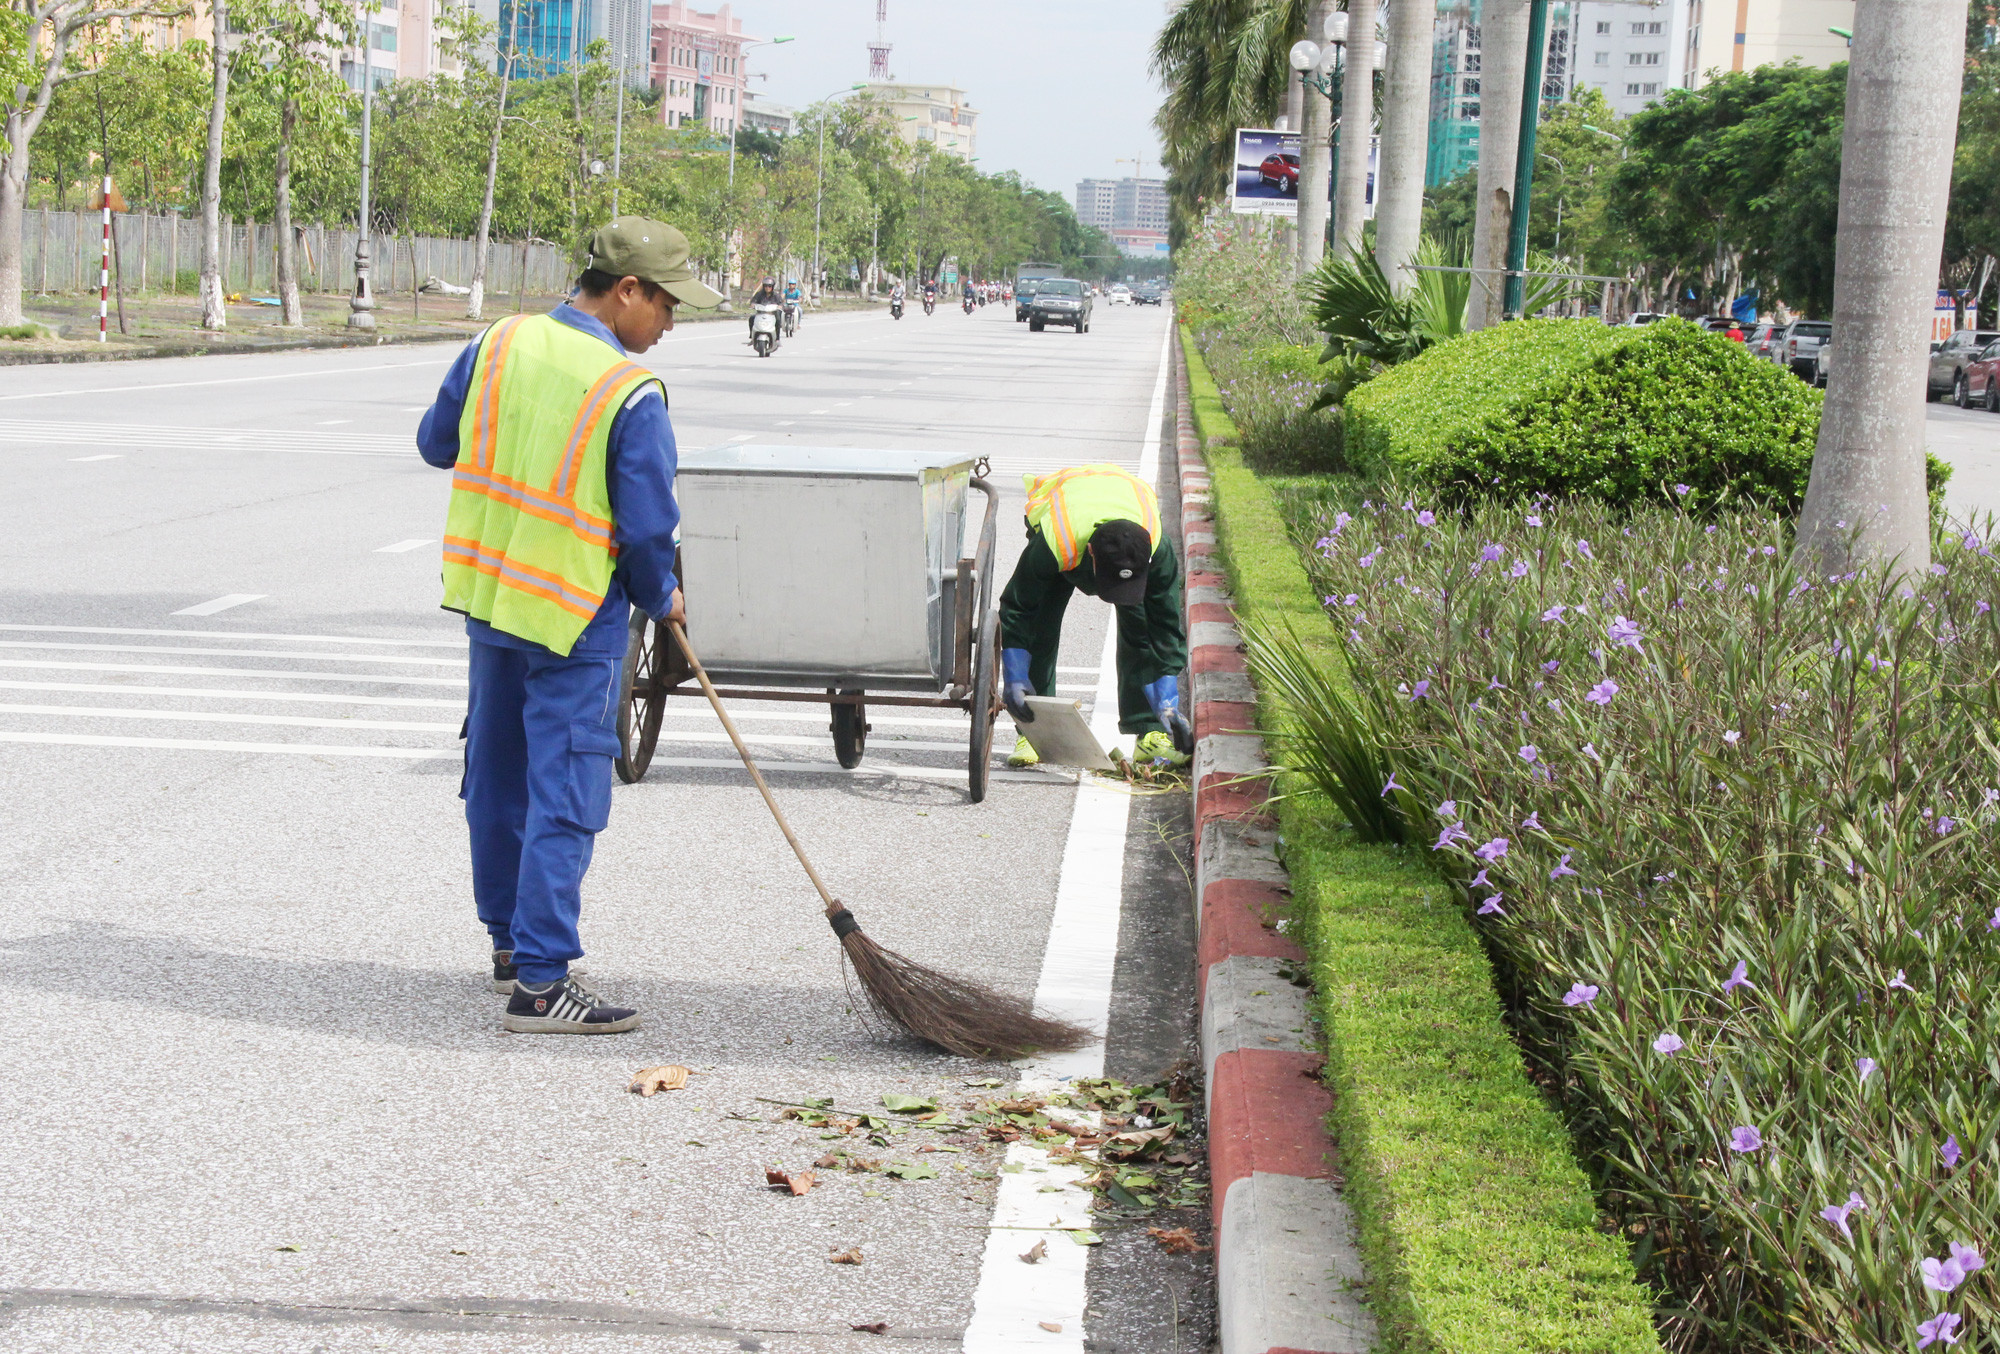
[{"x": 1287, "y": 1271}]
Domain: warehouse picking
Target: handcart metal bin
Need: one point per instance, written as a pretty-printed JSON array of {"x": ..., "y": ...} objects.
[{"x": 827, "y": 574}]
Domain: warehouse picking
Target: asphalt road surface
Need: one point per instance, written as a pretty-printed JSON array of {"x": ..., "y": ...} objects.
[
  {"x": 258, "y": 1097},
  {"x": 1968, "y": 440}
]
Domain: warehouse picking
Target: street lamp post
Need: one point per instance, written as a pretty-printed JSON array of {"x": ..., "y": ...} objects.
[
  {"x": 729, "y": 232},
  {"x": 819, "y": 191},
  {"x": 1524, "y": 159},
  {"x": 361, "y": 306}
]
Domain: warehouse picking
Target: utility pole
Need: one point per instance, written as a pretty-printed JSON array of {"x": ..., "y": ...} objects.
[
  {"x": 1524, "y": 158},
  {"x": 362, "y": 306},
  {"x": 618, "y": 135}
]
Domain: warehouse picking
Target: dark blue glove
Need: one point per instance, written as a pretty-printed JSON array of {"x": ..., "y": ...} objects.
[
  {"x": 1014, "y": 685},
  {"x": 1164, "y": 695}
]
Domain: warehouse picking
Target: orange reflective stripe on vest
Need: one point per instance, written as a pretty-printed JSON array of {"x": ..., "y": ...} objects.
[
  {"x": 1069, "y": 505},
  {"x": 518, "y": 575},
  {"x": 594, "y": 405},
  {"x": 486, "y": 412}
]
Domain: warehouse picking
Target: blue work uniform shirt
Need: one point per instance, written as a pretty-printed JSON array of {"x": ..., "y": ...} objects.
[{"x": 639, "y": 465}]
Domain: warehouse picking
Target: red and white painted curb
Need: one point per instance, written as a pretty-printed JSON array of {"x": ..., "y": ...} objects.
[{"x": 1287, "y": 1272}]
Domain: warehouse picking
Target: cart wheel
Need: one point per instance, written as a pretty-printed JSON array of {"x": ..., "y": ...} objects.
[
  {"x": 850, "y": 732},
  {"x": 985, "y": 706},
  {"x": 641, "y": 704}
]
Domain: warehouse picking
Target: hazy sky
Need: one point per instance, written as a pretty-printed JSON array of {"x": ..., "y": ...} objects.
[{"x": 1060, "y": 86}]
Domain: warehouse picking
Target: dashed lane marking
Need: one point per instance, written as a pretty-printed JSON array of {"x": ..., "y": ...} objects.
[
  {"x": 401, "y": 547},
  {"x": 223, "y": 603}
]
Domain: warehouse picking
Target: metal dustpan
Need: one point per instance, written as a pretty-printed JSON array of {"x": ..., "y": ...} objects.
[{"x": 1061, "y": 736}]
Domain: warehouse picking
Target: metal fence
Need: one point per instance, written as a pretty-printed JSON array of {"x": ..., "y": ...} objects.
[{"x": 60, "y": 253}]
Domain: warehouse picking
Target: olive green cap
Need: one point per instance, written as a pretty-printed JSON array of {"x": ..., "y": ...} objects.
[{"x": 652, "y": 251}]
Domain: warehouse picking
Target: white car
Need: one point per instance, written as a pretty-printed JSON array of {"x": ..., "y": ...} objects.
[{"x": 1121, "y": 295}]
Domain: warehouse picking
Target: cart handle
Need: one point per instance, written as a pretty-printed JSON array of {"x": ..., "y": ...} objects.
[{"x": 986, "y": 544}]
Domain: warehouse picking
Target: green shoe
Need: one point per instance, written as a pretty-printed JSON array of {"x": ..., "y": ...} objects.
[
  {"x": 1024, "y": 754},
  {"x": 1158, "y": 748}
]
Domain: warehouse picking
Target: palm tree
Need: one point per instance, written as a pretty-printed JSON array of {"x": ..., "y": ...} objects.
[
  {"x": 1223, "y": 63},
  {"x": 1866, "y": 500}
]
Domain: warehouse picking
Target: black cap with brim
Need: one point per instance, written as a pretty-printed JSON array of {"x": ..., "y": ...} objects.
[{"x": 1120, "y": 553}]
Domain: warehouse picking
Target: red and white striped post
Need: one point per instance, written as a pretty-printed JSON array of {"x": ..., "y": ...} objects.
[{"x": 104, "y": 271}]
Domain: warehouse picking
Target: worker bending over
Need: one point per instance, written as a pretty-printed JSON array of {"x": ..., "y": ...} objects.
[
  {"x": 1096, "y": 529},
  {"x": 562, "y": 517}
]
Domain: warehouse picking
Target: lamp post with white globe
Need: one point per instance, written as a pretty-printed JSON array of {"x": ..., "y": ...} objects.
[{"x": 1318, "y": 69}]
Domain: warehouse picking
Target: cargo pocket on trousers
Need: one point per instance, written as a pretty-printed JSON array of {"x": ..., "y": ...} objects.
[{"x": 591, "y": 748}]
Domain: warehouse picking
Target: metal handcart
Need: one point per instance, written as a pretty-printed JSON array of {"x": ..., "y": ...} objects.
[{"x": 827, "y": 575}]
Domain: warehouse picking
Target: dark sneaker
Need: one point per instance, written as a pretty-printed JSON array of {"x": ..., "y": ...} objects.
[
  {"x": 567, "y": 1007},
  {"x": 503, "y": 972}
]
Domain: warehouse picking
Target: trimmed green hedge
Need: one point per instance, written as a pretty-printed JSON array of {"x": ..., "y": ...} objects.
[
  {"x": 1477, "y": 1228},
  {"x": 1212, "y": 423},
  {"x": 1569, "y": 407}
]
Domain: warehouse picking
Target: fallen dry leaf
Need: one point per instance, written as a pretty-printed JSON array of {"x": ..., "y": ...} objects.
[
  {"x": 874, "y": 1328},
  {"x": 1052, "y": 1326},
  {"x": 798, "y": 1182},
  {"x": 1034, "y": 1253},
  {"x": 1175, "y": 1240},
  {"x": 667, "y": 1077},
  {"x": 847, "y": 1257},
  {"x": 1025, "y": 1105},
  {"x": 1127, "y": 1145},
  {"x": 857, "y": 1165}
]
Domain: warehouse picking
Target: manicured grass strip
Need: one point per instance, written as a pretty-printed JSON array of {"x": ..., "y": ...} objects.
[
  {"x": 1212, "y": 422},
  {"x": 1475, "y": 1223}
]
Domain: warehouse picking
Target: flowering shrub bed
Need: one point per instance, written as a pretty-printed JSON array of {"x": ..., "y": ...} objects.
[
  {"x": 1570, "y": 407},
  {"x": 1729, "y": 829}
]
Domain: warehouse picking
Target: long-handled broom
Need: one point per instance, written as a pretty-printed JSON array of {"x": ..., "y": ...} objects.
[{"x": 958, "y": 1016}]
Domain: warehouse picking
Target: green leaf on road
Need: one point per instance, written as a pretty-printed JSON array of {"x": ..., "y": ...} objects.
[
  {"x": 1083, "y": 1236},
  {"x": 915, "y": 1170},
  {"x": 906, "y": 1104}
]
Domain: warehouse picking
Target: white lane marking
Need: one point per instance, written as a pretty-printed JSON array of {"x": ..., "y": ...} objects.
[
  {"x": 227, "y": 380},
  {"x": 879, "y": 772},
  {"x": 215, "y": 604},
  {"x": 174, "y": 670},
  {"x": 742, "y": 437},
  {"x": 333, "y": 422},
  {"x": 842, "y": 404},
  {"x": 458, "y": 643},
  {"x": 108, "y": 456},
  {"x": 295, "y": 441},
  {"x": 231, "y": 653},
  {"x": 402, "y": 546},
  {"x": 786, "y": 422},
  {"x": 1013, "y": 1299},
  {"x": 819, "y": 411}
]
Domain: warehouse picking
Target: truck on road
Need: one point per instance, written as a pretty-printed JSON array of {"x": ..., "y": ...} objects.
[{"x": 1026, "y": 276}]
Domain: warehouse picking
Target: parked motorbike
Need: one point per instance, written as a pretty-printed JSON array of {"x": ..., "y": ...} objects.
[
  {"x": 764, "y": 327},
  {"x": 895, "y": 307}
]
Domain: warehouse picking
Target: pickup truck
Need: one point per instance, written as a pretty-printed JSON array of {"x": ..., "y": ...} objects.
[
  {"x": 1799, "y": 346},
  {"x": 1060, "y": 300}
]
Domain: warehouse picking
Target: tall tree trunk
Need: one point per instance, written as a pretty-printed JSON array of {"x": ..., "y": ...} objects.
[
  {"x": 214, "y": 315},
  {"x": 1866, "y": 501},
  {"x": 1357, "y": 129},
  {"x": 288, "y": 273},
  {"x": 13, "y": 193},
  {"x": 1315, "y": 160},
  {"x": 477, "y": 299},
  {"x": 1503, "y": 47},
  {"x": 1406, "y": 106}
]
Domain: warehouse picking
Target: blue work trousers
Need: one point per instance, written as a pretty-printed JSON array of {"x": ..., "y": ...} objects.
[{"x": 539, "y": 740}]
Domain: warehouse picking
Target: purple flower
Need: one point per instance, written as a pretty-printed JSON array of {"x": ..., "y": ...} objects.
[
  {"x": 1520, "y": 569},
  {"x": 1744, "y": 1138},
  {"x": 1421, "y": 690},
  {"x": 1590, "y": 751},
  {"x": 1993, "y": 922},
  {"x": 1941, "y": 1275},
  {"x": 1683, "y": 489},
  {"x": 1453, "y": 833},
  {"x": 1367, "y": 561},
  {"x": 1533, "y": 520},
  {"x": 1950, "y": 1152},
  {"x": 1622, "y": 631},
  {"x": 1390, "y": 785},
  {"x": 1554, "y": 613},
  {"x": 1837, "y": 1213},
  {"x": 1731, "y": 737},
  {"x": 1867, "y": 1067},
  {"x": 1529, "y": 752},
  {"x": 1492, "y": 905},
  {"x": 1562, "y": 869},
  {"x": 1737, "y": 979},
  {"x": 1602, "y": 693},
  {"x": 1491, "y": 551},
  {"x": 1942, "y": 1327},
  {"x": 1350, "y": 599},
  {"x": 1580, "y": 994},
  {"x": 1668, "y": 1044},
  {"x": 1981, "y": 608},
  {"x": 1448, "y": 810},
  {"x": 1552, "y": 665},
  {"x": 1583, "y": 548},
  {"x": 1967, "y": 1257},
  {"x": 1427, "y": 518},
  {"x": 1492, "y": 851},
  {"x": 1897, "y": 982},
  {"x": 1945, "y": 825},
  {"x": 1479, "y": 881}
]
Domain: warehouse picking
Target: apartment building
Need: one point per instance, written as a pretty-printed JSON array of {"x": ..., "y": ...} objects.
[
  {"x": 934, "y": 115},
  {"x": 1630, "y": 51},
  {"x": 763, "y": 114},
  {"x": 698, "y": 66},
  {"x": 1132, "y": 211},
  {"x": 1740, "y": 35}
]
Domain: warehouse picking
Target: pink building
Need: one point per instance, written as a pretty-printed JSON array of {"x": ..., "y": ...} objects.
[{"x": 698, "y": 65}]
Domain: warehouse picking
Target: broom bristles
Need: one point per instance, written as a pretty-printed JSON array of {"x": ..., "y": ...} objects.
[{"x": 965, "y": 1018}]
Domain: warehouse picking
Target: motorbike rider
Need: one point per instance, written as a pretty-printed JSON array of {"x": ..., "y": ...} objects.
[{"x": 766, "y": 295}]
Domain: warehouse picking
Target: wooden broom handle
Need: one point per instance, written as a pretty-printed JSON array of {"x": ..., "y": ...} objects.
[{"x": 750, "y": 765}]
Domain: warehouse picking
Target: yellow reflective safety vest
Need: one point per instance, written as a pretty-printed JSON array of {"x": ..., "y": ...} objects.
[
  {"x": 528, "y": 539},
  {"x": 1070, "y": 504}
]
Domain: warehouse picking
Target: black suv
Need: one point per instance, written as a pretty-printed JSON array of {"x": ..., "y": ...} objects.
[{"x": 1060, "y": 300}]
